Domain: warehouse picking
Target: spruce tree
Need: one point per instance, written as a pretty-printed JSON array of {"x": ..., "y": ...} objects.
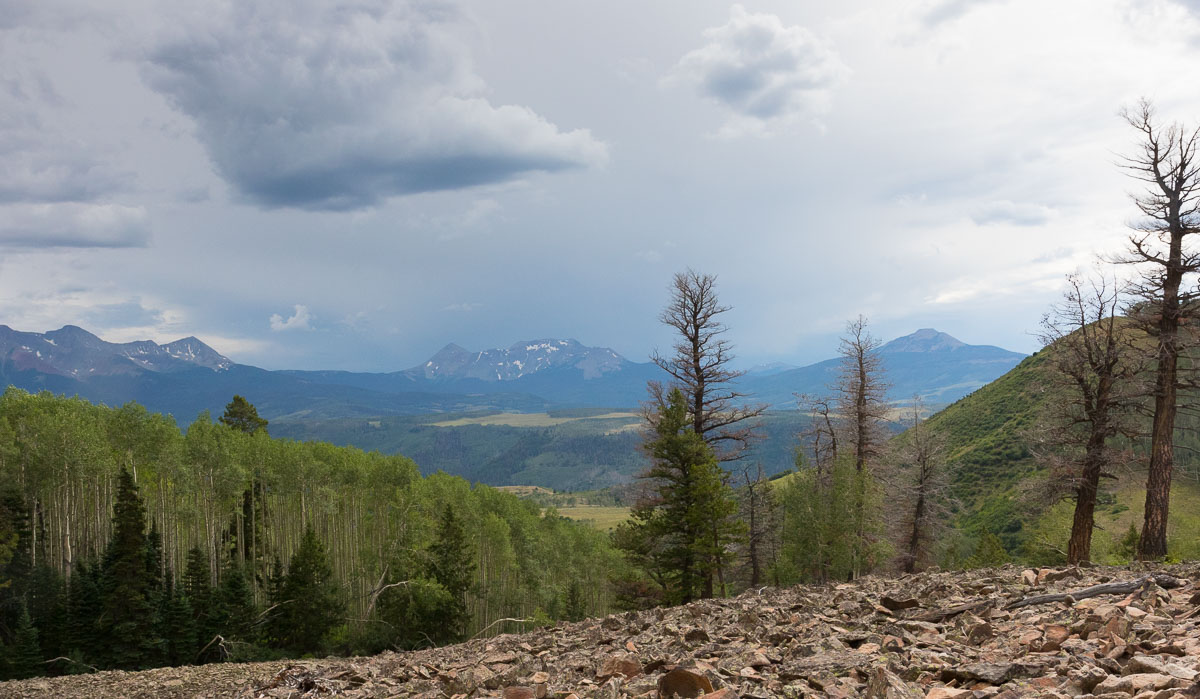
[
  {"x": 84, "y": 605},
  {"x": 237, "y": 599},
  {"x": 312, "y": 602},
  {"x": 127, "y": 623},
  {"x": 452, "y": 565},
  {"x": 24, "y": 657},
  {"x": 209, "y": 613},
  {"x": 177, "y": 628},
  {"x": 682, "y": 534}
]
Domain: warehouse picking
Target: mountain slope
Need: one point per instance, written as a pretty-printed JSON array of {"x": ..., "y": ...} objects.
[{"x": 930, "y": 364}]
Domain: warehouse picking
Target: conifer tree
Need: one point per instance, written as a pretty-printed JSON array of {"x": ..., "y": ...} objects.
[
  {"x": 84, "y": 607},
  {"x": 452, "y": 565},
  {"x": 24, "y": 656},
  {"x": 683, "y": 532},
  {"x": 177, "y": 627},
  {"x": 241, "y": 415},
  {"x": 237, "y": 600},
  {"x": 127, "y": 621},
  {"x": 313, "y": 602}
]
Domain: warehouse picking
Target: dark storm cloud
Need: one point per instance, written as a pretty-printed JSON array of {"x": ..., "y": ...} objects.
[
  {"x": 335, "y": 108},
  {"x": 761, "y": 69}
]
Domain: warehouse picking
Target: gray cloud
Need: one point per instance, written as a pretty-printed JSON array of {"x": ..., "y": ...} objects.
[
  {"x": 763, "y": 70},
  {"x": 337, "y": 108},
  {"x": 949, "y": 10},
  {"x": 1019, "y": 214},
  {"x": 74, "y": 224}
]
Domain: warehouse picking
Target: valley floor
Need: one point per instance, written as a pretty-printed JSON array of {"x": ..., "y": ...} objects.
[{"x": 934, "y": 635}]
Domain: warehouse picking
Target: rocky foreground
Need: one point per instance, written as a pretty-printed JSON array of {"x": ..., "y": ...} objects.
[{"x": 1091, "y": 632}]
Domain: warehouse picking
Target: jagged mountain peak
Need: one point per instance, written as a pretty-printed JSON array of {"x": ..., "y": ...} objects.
[
  {"x": 518, "y": 359},
  {"x": 75, "y": 352}
]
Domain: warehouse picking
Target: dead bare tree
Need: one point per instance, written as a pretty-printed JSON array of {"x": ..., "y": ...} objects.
[
  {"x": 700, "y": 367},
  {"x": 1165, "y": 160},
  {"x": 820, "y": 432},
  {"x": 861, "y": 393},
  {"x": 1095, "y": 369},
  {"x": 920, "y": 483},
  {"x": 759, "y": 513}
]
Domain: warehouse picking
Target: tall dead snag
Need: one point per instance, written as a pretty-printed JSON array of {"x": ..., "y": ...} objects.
[
  {"x": 861, "y": 399},
  {"x": 1165, "y": 161},
  {"x": 700, "y": 369},
  {"x": 820, "y": 433},
  {"x": 700, "y": 366},
  {"x": 920, "y": 485},
  {"x": 759, "y": 513},
  {"x": 861, "y": 393},
  {"x": 1093, "y": 381}
]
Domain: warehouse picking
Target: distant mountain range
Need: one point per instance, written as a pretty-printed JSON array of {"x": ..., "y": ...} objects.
[{"x": 187, "y": 376}]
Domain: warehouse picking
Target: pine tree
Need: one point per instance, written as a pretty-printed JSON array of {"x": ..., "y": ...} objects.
[
  {"x": 237, "y": 598},
  {"x": 177, "y": 627},
  {"x": 240, "y": 414},
  {"x": 209, "y": 613},
  {"x": 24, "y": 656},
  {"x": 682, "y": 534},
  {"x": 127, "y": 623},
  {"x": 452, "y": 565},
  {"x": 84, "y": 605},
  {"x": 311, "y": 598}
]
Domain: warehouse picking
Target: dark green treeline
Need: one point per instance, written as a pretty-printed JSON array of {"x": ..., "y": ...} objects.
[{"x": 125, "y": 543}]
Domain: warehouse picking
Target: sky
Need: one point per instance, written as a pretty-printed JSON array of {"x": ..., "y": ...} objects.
[{"x": 352, "y": 185}]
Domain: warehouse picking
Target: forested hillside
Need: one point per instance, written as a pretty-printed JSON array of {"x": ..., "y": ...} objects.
[{"x": 230, "y": 518}]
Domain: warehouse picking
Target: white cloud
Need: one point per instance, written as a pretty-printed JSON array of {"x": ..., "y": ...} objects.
[
  {"x": 465, "y": 307},
  {"x": 764, "y": 72},
  {"x": 298, "y": 321},
  {"x": 340, "y": 106}
]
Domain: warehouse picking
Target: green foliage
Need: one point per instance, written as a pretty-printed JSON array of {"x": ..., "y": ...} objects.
[
  {"x": 576, "y": 609},
  {"x": 1127, "y": 547},
  {"x": 416, "y": 612},
  {"x": 452, "y": 565},
  {"x": 220, "y": 494},
  {"x": 312, "y": 602},
  {"x": 989, "y": 553},
  {"x": 127, "y": 620},
  {"x": 177, "y": 628},
  {"x": 23, "y": 658},
  {"x": 681, "y": 538},
  {"x": 822, "y": 521},
  {"x": 241, "y": 415}
]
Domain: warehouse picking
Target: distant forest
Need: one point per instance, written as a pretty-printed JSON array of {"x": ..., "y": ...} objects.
[{"x": 125, "y": 543}]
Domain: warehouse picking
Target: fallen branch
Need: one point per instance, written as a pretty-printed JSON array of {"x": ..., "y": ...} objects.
[
  {"x": 1114, "y": 588},
  {"x": 522, "y": 621},
  {"x": 944, "y": 614},
  {"x": 72, "y": 661}
]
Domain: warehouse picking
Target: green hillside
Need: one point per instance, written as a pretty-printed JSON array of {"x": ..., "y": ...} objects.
[
  {"x": 986, "y": 448},
  {"x": 986, "y": 435}
]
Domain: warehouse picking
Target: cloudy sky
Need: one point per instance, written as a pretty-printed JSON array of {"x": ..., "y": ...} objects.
[{"x": 319, "y": 184}]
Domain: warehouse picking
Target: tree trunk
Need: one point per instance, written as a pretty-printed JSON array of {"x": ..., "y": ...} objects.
[{"x": 1079, "y": 547}]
